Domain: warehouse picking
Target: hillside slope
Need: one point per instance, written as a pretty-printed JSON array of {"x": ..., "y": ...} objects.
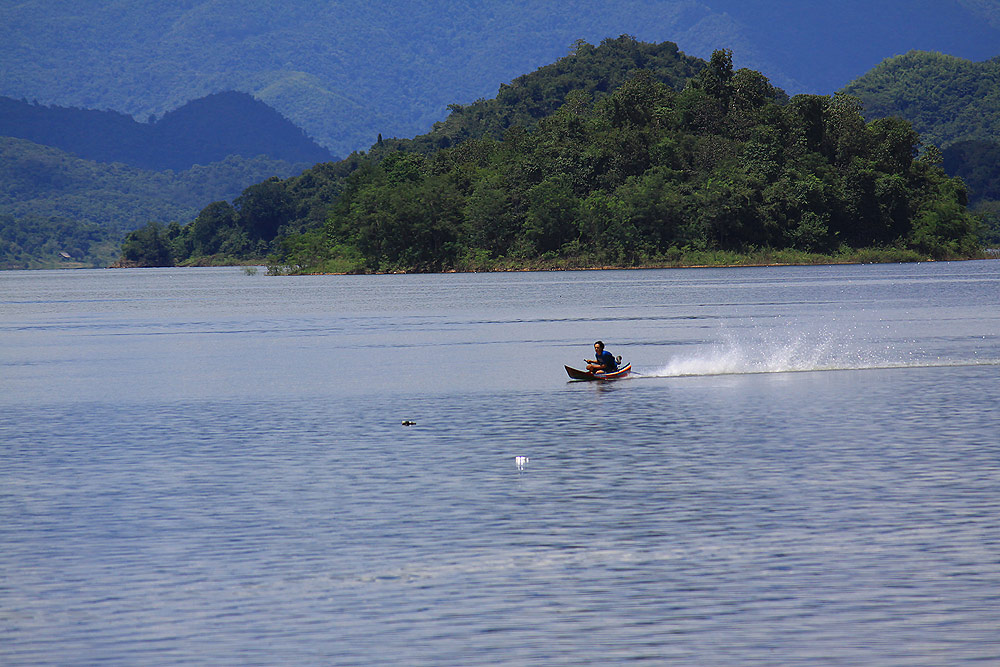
[
  {"x": 596, "y": 71},
  {"x": 948, "y": 99},
  {"x": 617, "y": 170},
  {"x": 346, "y": 70},
  {"x": 202, "y": 131},
  {"x": 43, "y": 182},
  {"x": 955, "y": 105}
]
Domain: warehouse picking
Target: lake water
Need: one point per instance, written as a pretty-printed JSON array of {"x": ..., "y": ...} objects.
[{"x": 204, "y": 466}]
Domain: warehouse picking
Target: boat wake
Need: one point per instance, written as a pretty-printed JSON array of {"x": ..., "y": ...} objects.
[{"x": 737, "y": 359}]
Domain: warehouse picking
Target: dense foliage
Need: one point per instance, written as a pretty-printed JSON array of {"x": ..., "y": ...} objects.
[
  {"x": 47, "y": 243},
  {"x": 989, "y": 212},
  {"x": 303, "y": 202},
  {"x": 42, "y": 183},
  {"x": 648, "y": 172},
  {"x": 250, "y": 227},
  {"x": 947, "y": 99},
  {"x": 977, "y": 163},
  {"x": 642, "y": 173},
  {"x": 953, "y": 103},
  {"x": 594, "y": 70}
]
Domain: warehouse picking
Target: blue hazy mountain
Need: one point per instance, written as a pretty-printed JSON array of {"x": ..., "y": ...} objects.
[
  {"x": 346, "y": 70},
  {"x": 201, "y": 132},
  {"x": 818, "y": 47}
]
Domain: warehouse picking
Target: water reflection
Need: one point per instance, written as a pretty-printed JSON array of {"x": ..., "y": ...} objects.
[{"x": 214, "y": 469}]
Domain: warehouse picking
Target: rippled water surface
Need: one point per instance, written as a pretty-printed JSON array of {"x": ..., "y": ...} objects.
[{"x": 204, "y": 466}]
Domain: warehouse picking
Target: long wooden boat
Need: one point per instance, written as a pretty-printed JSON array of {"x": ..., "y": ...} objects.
[{"x": 591, "y": 376}]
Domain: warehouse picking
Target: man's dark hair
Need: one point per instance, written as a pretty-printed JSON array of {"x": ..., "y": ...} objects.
[{"x": 600, "y": 343}]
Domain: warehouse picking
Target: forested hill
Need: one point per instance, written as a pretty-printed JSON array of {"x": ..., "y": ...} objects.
[
  {"x": 645, "y": 172},
  {"x": 594, "y": 71},
  {"x": 947, "y": 99},
  {"x": 955, "y": 105},
  {"x": 272, "y": 210},
  {"x": 201, "y": 132},
  {"x": 52, "y": 202}
]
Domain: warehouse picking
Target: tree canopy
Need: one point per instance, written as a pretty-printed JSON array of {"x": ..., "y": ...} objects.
[
  {"x": 648, "y": 171},
  {"x": 948, "y": 99},
  {"x": 35, "y": 242},
  {"x": 633, "y": 175}
]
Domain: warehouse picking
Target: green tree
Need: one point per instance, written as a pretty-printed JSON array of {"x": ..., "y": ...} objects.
[
  {"x": 551, "y": 215},
  {"x": 989, "y": 214},
  {"x": 845, "y": 135},
  {"x": 635, "y": 173},
  {"x": 210, "y": 229},
  {"x": 717, "y": 79},
  {"x": 804, "y": 118},
  {"x": 751, "y": 90},
  {"x": 492, "y": 216},
  {"x": 147, "y": 246},
  {"x": 943, "y": 226},
  {"x": 896, "y": 144},
  {"x": 263, "y": 208},
  {"x": 652, "y": 210}
]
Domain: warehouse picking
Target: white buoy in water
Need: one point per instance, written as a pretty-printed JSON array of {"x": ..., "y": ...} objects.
[{"x": 520, "y": 462}]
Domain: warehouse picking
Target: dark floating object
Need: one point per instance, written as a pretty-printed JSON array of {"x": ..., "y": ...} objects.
[
  {"x": 602, "y": 377},
  {"x": 407, "y": 422}
]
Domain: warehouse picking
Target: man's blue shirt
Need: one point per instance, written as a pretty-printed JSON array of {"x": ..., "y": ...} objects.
[{"x": 608, "y": 361}]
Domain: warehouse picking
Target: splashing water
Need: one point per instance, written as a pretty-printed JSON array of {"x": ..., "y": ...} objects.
[
  {"x": 804, "y": 353},
  {"x": 737, "y": 361}
]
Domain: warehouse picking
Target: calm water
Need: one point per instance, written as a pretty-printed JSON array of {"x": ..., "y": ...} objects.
[{"x": 202, "y": 466}]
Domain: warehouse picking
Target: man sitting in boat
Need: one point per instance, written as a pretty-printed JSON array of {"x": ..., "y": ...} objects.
[{"x": 605, "y": 361}]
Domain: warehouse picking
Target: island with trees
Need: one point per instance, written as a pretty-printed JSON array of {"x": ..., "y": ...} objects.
[{"x": 624, "y": 154}]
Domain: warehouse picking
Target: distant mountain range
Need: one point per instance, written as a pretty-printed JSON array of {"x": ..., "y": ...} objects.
[
  {"x": 201, "y": 132},
  {"x": 78, "y": 164},
  {"x": 346, "y": 71},
  {"x": 74, "y": 181}
]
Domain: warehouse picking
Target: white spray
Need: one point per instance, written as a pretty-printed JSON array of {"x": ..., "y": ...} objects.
[{"x": 782, "y": 353}]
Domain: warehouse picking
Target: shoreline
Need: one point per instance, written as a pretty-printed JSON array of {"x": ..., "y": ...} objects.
[
  {"x": 643, "y": 267},
  {"x": 696, "y": 261}
]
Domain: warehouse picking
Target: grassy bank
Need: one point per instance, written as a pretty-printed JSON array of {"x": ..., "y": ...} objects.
[{"x": 678, "y": 259}]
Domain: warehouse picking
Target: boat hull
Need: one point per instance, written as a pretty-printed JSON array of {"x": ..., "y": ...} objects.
[{"x": 590, "y": 376}]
